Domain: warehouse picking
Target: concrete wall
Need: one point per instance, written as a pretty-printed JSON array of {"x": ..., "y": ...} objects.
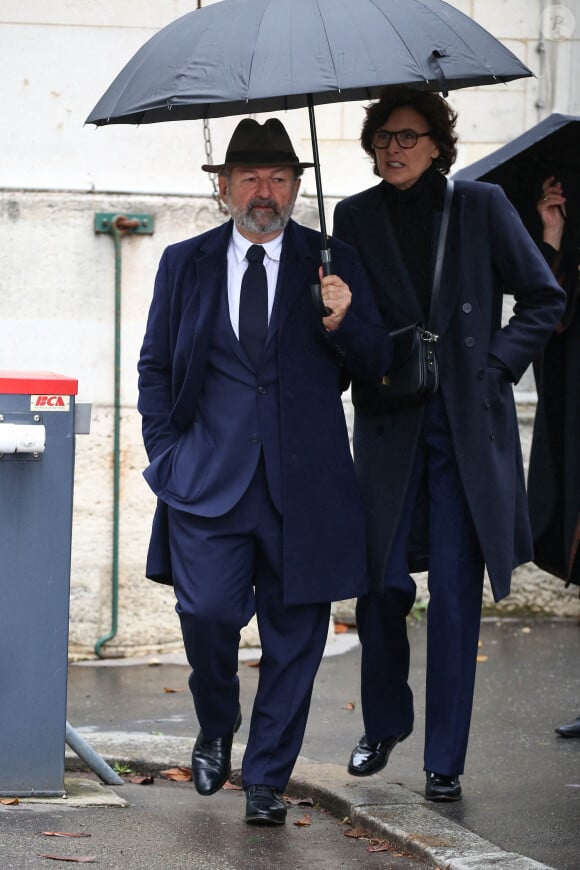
[{"x": 57, "y": 275}]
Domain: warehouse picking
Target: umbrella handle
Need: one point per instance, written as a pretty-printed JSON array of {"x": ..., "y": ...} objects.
[{"x": 315, "y": 290}]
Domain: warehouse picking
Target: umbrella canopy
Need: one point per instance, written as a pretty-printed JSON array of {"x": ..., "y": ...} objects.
[
  {"x": 241, "y": 56},
  {"x": 551, "y": 147}
]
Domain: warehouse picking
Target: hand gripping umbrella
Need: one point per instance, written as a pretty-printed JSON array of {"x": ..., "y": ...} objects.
[{"x": 240, "y": 56}]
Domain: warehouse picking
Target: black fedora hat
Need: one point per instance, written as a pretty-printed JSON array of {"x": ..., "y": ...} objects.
[{"x": 254, "y": 144}]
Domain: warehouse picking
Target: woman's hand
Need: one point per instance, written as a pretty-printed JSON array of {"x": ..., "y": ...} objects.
[{"x": 552, "y": 210}]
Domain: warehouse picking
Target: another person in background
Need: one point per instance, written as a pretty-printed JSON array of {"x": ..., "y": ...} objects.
[
  {"x": 258, "y": 508},
  {"x": 443, "y": 481},
  {"x": 554, "y": 472}
]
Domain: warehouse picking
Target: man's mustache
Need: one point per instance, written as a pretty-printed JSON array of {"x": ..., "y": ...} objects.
[{"x": 257, "y": 202}]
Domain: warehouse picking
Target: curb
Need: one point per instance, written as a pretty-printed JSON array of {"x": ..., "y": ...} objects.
[{"x": 390, "y": 812}]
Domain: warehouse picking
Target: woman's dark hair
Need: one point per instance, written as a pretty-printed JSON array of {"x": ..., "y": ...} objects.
[{"x": 436, "y": 111}]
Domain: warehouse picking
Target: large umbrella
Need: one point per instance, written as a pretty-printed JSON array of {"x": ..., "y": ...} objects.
[
  {"x": 550, "y": 148},
  {"x": 241, "y": 56}
]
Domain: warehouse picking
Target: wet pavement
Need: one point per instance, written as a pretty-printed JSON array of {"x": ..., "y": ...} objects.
[
  {"x": 521, "y": 804},
  {"x": 167, "y": 827}
]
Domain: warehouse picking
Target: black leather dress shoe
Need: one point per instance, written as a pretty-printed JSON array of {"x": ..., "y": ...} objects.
[
  {"x": 368, "y": 758},
  {"x": 264, "y": 806},
  {"x": 571, "y": 730},
  {"x": 442, "y": 788},
  {"x": 211, "y": 761}
]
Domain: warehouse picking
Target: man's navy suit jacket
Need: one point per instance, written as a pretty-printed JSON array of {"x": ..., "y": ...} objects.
[{"x": 323, "y": 527}]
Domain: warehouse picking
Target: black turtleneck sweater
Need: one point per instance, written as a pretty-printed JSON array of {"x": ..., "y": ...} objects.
[{"x": 412, "y": 214}]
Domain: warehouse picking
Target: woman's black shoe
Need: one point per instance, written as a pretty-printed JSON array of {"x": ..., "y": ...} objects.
[
  {"x": 571, "y": 730},
  {"x": 368, "y": 758},
  {"x": 442, "y": 788}
]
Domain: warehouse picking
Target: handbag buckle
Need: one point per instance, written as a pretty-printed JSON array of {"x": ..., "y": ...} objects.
[{"x": 429, "y": 336}]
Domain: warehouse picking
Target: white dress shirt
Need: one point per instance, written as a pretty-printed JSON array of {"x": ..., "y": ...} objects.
[{"x": 237, "y": 265}]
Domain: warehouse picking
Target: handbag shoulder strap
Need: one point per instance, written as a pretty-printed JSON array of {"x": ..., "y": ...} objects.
[{"x": 441, "y": 246}]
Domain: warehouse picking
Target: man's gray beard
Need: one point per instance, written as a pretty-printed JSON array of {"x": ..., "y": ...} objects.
[{"x": 244, "y": 218}]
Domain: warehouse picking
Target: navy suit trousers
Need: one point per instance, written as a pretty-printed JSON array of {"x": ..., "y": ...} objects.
[
  {"x": 225, "y": 569},
  {"x": 455, "y": 581}
]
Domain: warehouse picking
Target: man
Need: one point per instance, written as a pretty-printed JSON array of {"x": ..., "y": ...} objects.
[{"x": 258, "y": 509}]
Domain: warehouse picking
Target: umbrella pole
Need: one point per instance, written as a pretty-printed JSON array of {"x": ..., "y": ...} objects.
[
  {"x": 324, "y": 249},
  {"x": 325, "y": 252}
]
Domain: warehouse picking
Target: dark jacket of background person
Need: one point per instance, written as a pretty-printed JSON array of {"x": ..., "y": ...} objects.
[
  {"x": 488, "y": 253},
  {"x": 324, "y": 540},
  {"x": 554, "y": 472}
]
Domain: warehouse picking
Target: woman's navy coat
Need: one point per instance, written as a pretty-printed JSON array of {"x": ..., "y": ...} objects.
[
  {"x": 488, "y": 253},
  {"x": 323, "y": 524}
]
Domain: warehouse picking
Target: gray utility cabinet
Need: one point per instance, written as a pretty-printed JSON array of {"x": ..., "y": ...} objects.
[{"x": 37, "y": 440}]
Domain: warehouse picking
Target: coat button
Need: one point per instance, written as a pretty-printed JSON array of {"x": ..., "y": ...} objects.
[
  {"x": 262, "y": 391},
  {"x": 466, "y": 307},
  {"x": 486, "y": 404},
  {"x": 480, "y": 374},
  {"x": 254, "y": 439},
  {"x": 469, "y": 341}
]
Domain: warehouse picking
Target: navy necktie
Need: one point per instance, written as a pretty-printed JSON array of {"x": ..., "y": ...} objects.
[{"x": 253, "y": 322}]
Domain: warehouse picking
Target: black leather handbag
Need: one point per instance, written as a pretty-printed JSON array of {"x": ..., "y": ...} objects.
[{"x": 414, "y": 373}]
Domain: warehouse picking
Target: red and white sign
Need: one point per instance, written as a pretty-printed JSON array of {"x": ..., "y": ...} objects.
[{"x": 50, "y": 403}]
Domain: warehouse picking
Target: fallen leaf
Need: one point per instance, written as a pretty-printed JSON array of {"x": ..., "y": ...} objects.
[
  {"x": 357, "y": 833},
  {"x": 304, "y": 822},
  {"x": 349, "y": 706},
  {"x": 382, "y": 846},
  {"x": 138, "y": 779},
  {"x": 481, "y": 658},
  {"x": 9, "y": 802},
  {"x": 298, "y": 802},
  {"x": 254, "y": 663},
  {"x": 177, "y": 774},
  {"x": 526, "y": 630},
  {"x": 172, "y": 691},
  {"x": 82, "y": 859},
  {"x": 231, "y": 786},
  {"x": 340, "y": 628},
  {"x": 63, "y": 834}
]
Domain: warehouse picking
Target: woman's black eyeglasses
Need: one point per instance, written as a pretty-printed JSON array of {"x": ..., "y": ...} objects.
[{"x": 405, "y": 138}]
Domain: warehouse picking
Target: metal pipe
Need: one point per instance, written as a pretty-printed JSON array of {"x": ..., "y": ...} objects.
[
  {"x": 118, "y": 227},
  {"x": 116, "y": 234},
  {"x": 97, "y": 764}
]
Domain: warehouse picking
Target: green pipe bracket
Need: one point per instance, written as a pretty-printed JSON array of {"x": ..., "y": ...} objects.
[
  {"x": 118, "y": 226},
  {"x": 109, "y": 222}
]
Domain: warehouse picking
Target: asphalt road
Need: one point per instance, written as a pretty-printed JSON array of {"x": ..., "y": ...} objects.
[{"x": 522, "y": 782}]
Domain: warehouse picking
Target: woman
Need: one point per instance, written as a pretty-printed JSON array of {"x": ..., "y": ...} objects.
[
  {"x": 554, "y": 474},
  {"x": 443, "y": 482}
]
